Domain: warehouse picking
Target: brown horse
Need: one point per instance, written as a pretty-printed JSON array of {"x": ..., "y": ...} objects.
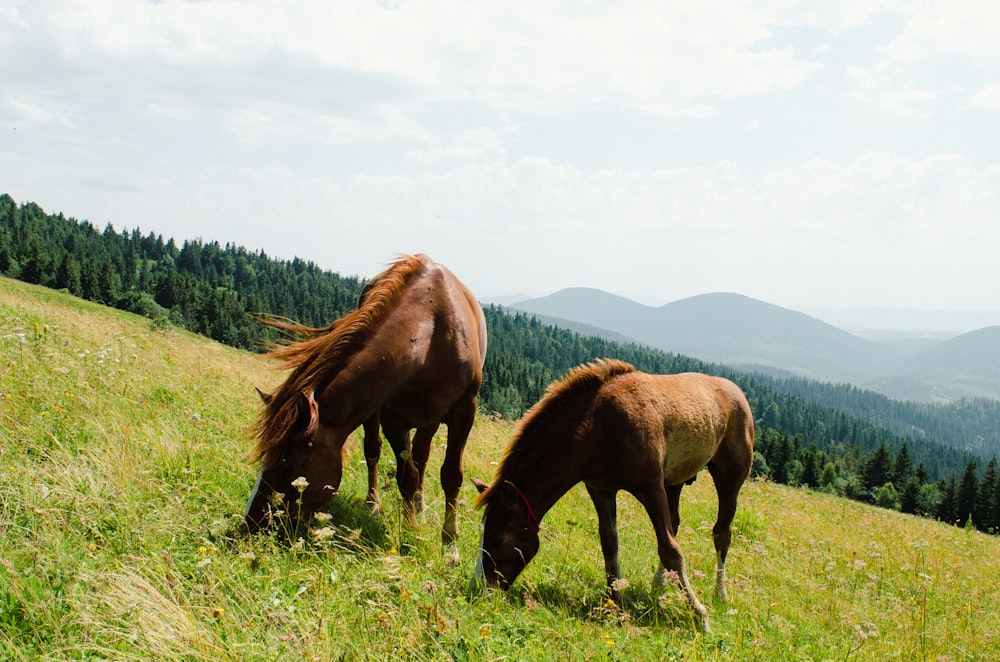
[
  {"x": 616, "y": 428},
  {"x": 411, "y": 356}
]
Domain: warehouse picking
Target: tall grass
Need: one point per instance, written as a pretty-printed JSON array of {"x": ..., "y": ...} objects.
[{"x": 121, "y": 467}]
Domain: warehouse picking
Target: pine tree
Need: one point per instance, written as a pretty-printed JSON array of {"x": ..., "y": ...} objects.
[
  {"x": 878, "y": 469},
  {"x": 965, "y": 499},
  {"x": 903, "y": 466},
  {"x": 984, "y": 516}
]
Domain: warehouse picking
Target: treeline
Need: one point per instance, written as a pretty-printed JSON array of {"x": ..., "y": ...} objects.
[
  {"x": 884, "y": 479},
  {"x": 203, "y": 287},
  {"x": 975, "y": 422},
  {"x": 213, "y": 290}
]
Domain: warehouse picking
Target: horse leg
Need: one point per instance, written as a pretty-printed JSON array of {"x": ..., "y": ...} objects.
[
  {"x": 373, "y": 452},
  {"x": 722, "y": 532},
  {"x": 607, "y": 526},
  {"x": 673, "y": 501},
  {"x": 459, "y": 422},
  {"x": 421, "y": 451},
  {"x": 398, "y": 435},
  {"x": 657, "y": 506}
]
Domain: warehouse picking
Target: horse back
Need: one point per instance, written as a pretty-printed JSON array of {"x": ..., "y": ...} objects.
[
  {"x": 686, "y": 421},
  {"x": 427, "y": 352}
]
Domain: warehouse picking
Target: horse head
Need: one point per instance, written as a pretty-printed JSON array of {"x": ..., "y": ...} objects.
[
  {"x": 298, "y": 481},
  {"x": 509, "y": 535}
]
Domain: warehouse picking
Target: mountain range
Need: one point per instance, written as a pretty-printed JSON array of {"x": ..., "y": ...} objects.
[{"x": 748, "y": 334}]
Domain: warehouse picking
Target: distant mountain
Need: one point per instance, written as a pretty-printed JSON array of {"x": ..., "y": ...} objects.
[
  {"x": 730, "y": 329},
  {"x": 745, "y": 333},
  {"x": 867, "y": 321},
  {"x": 967, "y": 366}
]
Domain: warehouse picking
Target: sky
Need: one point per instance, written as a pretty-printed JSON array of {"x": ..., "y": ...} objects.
[{"x": 823, "y": 154}]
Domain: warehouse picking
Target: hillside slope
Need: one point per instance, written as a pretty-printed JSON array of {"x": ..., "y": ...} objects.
[{"x": 120, "y": 465}]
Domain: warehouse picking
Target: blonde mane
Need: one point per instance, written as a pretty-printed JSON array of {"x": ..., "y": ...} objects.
[{"x": 318, "y": 354}]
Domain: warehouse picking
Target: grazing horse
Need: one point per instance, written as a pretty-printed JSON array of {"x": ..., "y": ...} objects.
[
  {"x": 616, "y": 428},
  {"x": 411, "y": 356}
]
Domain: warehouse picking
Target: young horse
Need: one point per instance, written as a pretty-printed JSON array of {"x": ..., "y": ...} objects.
[
  {"x": 616, "y": 428},
  {"x": 411, "y": 356}
]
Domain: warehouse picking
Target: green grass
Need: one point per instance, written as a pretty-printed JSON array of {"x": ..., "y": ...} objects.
[{"x": 121, "y": 463}]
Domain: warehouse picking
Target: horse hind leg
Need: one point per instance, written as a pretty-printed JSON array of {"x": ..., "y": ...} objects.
[
  {"x": 373, "y": 452},
  {"x": 607, "y": 526},
  {"x": 722, "y": 532}
]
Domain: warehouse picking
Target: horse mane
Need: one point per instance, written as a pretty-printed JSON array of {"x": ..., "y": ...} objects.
[
  {"x": 315, "y": 354},
  {"x": 564, "y": 398}
]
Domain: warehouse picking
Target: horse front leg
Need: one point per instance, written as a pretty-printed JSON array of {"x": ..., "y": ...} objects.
[
  {"x": 421, "y": 452},
  {"x": 673, "y": 502},
  {"x": 459, "y": 422},
  {"x": 398, "y": 435},
  {"x": 606, "y": 505},
  {"x": 655, "y": 501},
  {"x": 373, "y": 452}
]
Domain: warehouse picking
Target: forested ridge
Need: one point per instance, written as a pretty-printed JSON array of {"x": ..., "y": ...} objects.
[{"x": 929, "y": 460}]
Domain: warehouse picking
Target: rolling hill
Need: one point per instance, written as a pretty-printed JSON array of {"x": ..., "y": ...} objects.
[
  {"x": 749, "y": 334},
  {"x": 967, "y": 366}
]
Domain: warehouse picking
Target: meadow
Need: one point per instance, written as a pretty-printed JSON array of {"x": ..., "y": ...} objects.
[{"x": 122, "y": 469}]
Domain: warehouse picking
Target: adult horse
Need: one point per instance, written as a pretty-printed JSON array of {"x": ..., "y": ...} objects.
[
  {"x": 410, "y": 356},
  {"x": 615, "y": 428}
]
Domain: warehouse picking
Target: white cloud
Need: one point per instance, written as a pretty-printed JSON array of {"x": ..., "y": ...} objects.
[
  {"x": 968, "y": 28},
  {"x": 26, "y": 110},
  {"x": 795, "y": 151},
  {"x": 890, "y": 88},
  {"x": 987, "y": 98}
]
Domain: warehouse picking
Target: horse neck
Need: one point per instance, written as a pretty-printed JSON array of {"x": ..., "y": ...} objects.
[{"x": 551, "y": 473}]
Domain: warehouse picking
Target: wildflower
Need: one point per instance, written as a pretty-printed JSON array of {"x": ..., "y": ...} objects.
[
  {"x": 484, "y": 629},
  {"x": 203, "y": 550},
  {"x": 322, "y": 518},
  {"x": 300, "y": 484},
  {"x": 619, "y": 584},
  {"x": 217, "y": 612},
  {"x": 323, "y": 534}
]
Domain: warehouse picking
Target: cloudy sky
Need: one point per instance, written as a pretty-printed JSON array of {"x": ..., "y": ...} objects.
[{"x": 803, "y": 153}]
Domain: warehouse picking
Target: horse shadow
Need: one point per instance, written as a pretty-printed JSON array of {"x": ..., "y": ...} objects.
[{"x": 637, "y": 605}]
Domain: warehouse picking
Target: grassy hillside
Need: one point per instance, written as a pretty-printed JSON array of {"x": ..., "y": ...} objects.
[{"x": 120, "y": 463}]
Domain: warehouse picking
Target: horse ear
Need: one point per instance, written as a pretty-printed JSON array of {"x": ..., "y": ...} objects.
[
  {"x": 310, "y": 396},
  {"x": 266, "y": 397},
  {"x": 480, "y": 485}
]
